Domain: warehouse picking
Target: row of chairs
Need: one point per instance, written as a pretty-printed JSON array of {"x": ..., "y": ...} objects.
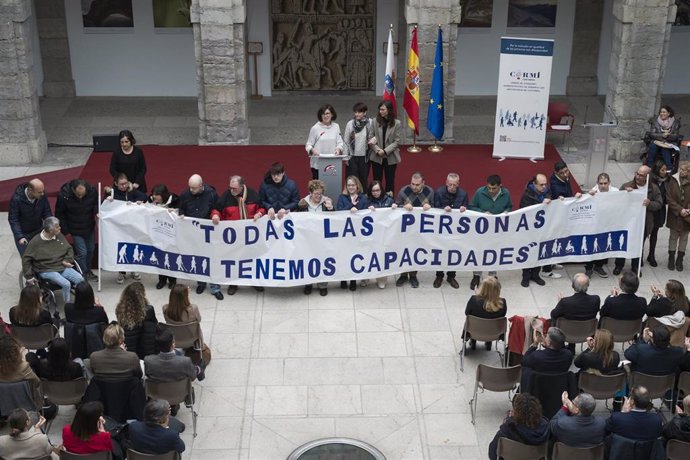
[{"x": 131, "y": 455}]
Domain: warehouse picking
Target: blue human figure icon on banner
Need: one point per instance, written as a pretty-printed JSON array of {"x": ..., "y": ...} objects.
[
  {"x": 166, "y": 262},
  {"x": 621, "y": 241},
  {"x": 595, "y": 247},
  {"x": 609, "y": 242},
  {"x": 180, "y": 264},
  {"x": 204, "y": 267},
  {"x": 153, "y": 260},
  {"x": 122, "y": 255},
  {"x": 583, "y": 246},
  {"x": 569, "y": 248},
  {"x": 192, "y": 268}
]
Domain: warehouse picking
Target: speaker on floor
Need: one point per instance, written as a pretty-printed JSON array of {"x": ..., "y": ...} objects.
[{"x": 105, "y": 142}]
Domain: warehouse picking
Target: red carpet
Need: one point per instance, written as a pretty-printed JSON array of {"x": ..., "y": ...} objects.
[{"x": 172, "y": 165}]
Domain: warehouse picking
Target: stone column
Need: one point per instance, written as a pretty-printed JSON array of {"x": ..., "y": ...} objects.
[
  {"x": 57, "y": 65},
  {"x": 22, "y": 139},
  {"x": 584, "y": 57},
  {"x": 641, "y": 34},
  {"x": 221, "y": 63},
  {"x": 427, "y": 15}
]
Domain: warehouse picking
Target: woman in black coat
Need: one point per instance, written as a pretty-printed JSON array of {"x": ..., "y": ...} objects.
[
  {"x": 487, "y": 303},
  {"x": 138, "y": 319},
  {"x": 129, "y": 159},
  {"x": 600, "y": 355}
]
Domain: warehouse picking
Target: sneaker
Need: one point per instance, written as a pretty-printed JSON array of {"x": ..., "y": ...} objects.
[
  {"x": 402, "y": 280},
  {"x": 120, "y": 278},
  {"x": 136, "y": 276},
  {"x": 381, "y": 284},
  {"x": 438, "y": 281},
  {"x": 601, "y": 272},
  {"x": 557, "y": 266},
  {"x": 218, "y": 295},
  {"x": 91, "y": 276},
  {"x": 476, "y": 280},
  {"x": 161, "y": 284},
  {"x": 323, "y": 292},
  {"x": 307, "y": 289},
  {"x": 552, "y": 275},
  {"x": 200, "y": 288},
  {"x": 414, "y": 282},
  {"x": 453, "y": 283},
  {"x": 589, "y": 273},
  {"x": 617, "y": 270}
]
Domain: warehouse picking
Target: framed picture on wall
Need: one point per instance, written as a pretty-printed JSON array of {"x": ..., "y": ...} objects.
[
  {"x": 682, "y": 13},
  {"x": 532, "y": 13},
  {"x": 171, "y": 14},
  {"x": 107, "y": 13},
  {"x": 476, "y": 13}
]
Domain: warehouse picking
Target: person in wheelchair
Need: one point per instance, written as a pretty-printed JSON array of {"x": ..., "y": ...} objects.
[
  {"x": 50, "y": 257},
  {"x": 665, "y": 130}
]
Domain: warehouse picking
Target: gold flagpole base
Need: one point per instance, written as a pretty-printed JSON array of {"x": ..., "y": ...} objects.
[
  {"x": 435, "y": 148},
  {"x": 414, "y": 148}
]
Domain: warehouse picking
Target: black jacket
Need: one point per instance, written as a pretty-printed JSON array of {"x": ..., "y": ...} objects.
[
  {"x": 77, "y": 215},
  {"x": 530, "y": 195},
  {"x": 578, "y": 307},
  {"x": 520, "y": 433},
  {"x": 26, "y": 218},
  {"x": 132, "y": 196},
  {"x": 678, "y": 428},
  {"x": 199, "y": 205},
  {"x": 142, "y": 338},
  {"x": 648, "y": 359},
  {"x": 591, "y": 360},
  {"x": 624, "y": 307}
]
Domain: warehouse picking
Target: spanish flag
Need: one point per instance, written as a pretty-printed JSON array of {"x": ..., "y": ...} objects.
[{"x": 411, "y": 96}]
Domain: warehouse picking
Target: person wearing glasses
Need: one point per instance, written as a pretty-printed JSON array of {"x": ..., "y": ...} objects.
[{"x": 324, "y": 138}]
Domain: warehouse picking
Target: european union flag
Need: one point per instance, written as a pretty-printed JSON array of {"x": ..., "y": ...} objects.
[{"x": 435, "y": 116}]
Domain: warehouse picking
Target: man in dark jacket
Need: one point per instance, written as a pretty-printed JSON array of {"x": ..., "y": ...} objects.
[
  {"x": 623, "y": 304},
  {"x": 654, "y": 202},
  {"x": 679, "y": 426},
  {"x": 536, "y": 192},
  {"x": 77, "y": 206},
  {"x": 449, "y": 197},
  {"x": 199, "y": 200},
  {"x": 578, "y": 307},
  {"x": 574, "y": 425},
  {"x": 654, "y": 355},
  {"x": 278, "y": 193},
  {"x": 157, "y": 434},
  {"x": 554, "y": 358},
  {"x": 636, "y": 420},
  {"x": 238, "y": 202},
  {"x": 28, "y": 207},
  {"x": 560, "y": 181}
]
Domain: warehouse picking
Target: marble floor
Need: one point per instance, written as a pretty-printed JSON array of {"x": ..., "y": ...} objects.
[{"x": 379, "y": 365}]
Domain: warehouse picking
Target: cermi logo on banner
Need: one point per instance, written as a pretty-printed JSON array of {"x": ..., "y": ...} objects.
[{"x": 527, "y": 76}]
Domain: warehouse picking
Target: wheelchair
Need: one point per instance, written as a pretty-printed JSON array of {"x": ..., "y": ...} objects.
[
  {"x": 48, "y": 289},
  {"x": 675, "y": 154}
]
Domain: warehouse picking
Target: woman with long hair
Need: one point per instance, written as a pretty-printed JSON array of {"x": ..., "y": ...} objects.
[
  {"x": 25, "y": 439},
  {"x": 384, "y": 146},
  {"x": 599, "y": 357},
  {"x": 29, "y": 311},
  {"x": 85, "y": 309},
  {"x": 674, "y": 299},
  {"x": 179, "y": 310},
  {"x": 129, "y": 159},
  {"x": 524, "y": 423},
  {"x": 487, "y": 303},
  {"x": 138, "y": 319},
  {"x": 58, "y": 365},
  {"x": 14, "y": 368},
  {"x": 87, "y": 433}
]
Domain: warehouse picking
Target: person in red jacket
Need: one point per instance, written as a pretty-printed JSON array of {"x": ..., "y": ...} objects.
[{"x": 238, "y": 202}]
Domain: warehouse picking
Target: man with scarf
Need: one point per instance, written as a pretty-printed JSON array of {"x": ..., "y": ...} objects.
[
  {"x": 536, "y": 192},
  {"x": 358, "y": 132},
  {"x": 237, "y": 203}
]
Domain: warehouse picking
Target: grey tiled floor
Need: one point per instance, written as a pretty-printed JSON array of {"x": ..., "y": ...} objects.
[{"x": 377, "y": 365}]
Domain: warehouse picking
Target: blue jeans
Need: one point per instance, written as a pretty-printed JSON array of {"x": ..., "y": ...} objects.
[
  {"x": 654, "y": 150},
  {"x": 83, "y": 249},
  {"x": 64, "y": 279}
]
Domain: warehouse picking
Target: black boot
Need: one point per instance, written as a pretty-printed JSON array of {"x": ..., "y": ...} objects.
[
  {"x": 671, "y": 260},
  {"x": 679, "y": 261},
  {"x": 651, "y": 259}
]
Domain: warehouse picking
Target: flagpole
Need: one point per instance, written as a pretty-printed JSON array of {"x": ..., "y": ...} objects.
[
  {"x": 435, "y": 148},
  {"x": 414, "y": 148}
]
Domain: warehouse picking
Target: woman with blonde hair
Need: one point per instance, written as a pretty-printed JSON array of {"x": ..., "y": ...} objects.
[
  {"x": 138, "y": 319},
  {"x": 487, "y": 303},
  {"x": 599, "y": 357},
  {"x": 29, "y": 311}
]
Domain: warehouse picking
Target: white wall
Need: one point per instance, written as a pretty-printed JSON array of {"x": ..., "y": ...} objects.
[
  {"x": 478, "y": 50},
  {"x": 131, "y": 62}
]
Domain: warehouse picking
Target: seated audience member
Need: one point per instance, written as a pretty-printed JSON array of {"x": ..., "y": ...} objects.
[
  {"x": 114, "y": 360},
  {"x": 168, "y": 366},
  {"x": 575, "y": 425},
  {"x": 87, "y": 433},
  {"x": 85, "y": 309},
  {"x": 525, "y": 423},
  {"x": 654, "y": 355},
  {"x": 50, "y": 257},
  {"x": 14, "y": 368},
  {"x": 179, "y": 310},
  {"x": 623, "y": 304},
  {"x": 599, "y": 357},
  {"x": 155, "y": 435},
  {"x": 580, "y": 306},
  {"x": 636, "y": 420},
  {"x": 316, "y": 201},
  {"x": 554, "y": 358},
  {"x": 679, "y": 426},
  {"x": 673, "y": 300},
  {"x": 163, "y": 198},
  {"x": 58, "y": 365},
  {"x": 487, "y": 303},
  {"x": 278, "y": 193},
  {"x": 26, "y": 441},
  {"x": 138, "y": 319},
  {"x": 29, "y": 311},
  {"x": 665, "y": 129}
]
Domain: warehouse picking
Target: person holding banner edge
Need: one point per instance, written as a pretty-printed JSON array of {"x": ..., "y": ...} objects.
[
  {"x": 449, "y": 197},
  {"x": 536, "y": 192}
]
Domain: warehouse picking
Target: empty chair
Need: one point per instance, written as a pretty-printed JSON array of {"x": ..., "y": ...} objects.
[
  {"x": 486, "y": 330},
  {"x": 105, "y": 455},
  {"x": 601, "y": 386},
  {"x": 623, "y": 330},
  {"x": 63, "y": 393},
  {"x": 513, "y": 450},
  {"x": 564, "y": 452},
  {"x": 677, "y": 450},
  {"x": 657, "y": 385},
  {"x": 577, "y": 331},
  {"x": 177, "y": 392},
  {"x": 134, "y": 455},
  {"x": 494, "y": 379},
  {"x": 684, "y": 382},
  {"x": 35, "y": 337}
]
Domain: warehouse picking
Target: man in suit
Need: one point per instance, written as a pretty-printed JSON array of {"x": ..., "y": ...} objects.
[
  {"x": 155, "y": 435},
  {"x": 168, "y": 366},
  {"x": 636, "y": 420},
  {"x": 554, "y": 358},
  {"x": 114, "y": 361},
  {"x": 654, "y": 355},
  {"x": 623, "y": 304},
  {"x": 574, "y": 425},
  {"x": 580, "y": 306}
]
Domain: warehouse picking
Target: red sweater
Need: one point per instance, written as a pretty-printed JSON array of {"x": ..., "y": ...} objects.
[{"x": 97, "y": 443}]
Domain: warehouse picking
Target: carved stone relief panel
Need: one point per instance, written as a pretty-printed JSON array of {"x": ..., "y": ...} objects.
[{"x": 323, "y": 44}]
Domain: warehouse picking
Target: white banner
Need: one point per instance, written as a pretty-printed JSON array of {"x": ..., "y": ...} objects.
[
  {"x": 309, "y": 247},
  {"x": 522, "y": 101}
]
